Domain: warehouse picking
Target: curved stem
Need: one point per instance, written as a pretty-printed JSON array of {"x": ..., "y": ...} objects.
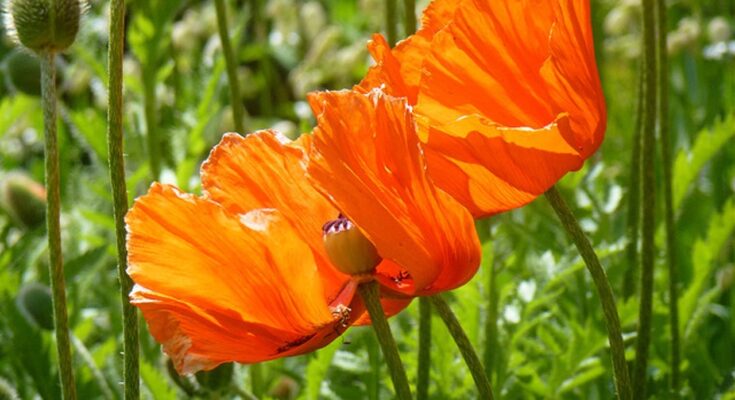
[
  {"x": 53, "y": 226},
  {"x": 131, "y": 379},
  {"x": 234, "y": 83},
  {"x": 369, "y": 291},
  {"x": 662, "y": 80},
  {"x": 424, "y": 368},
  {"x": 465, "y": 347},
  {"x": 256, "y": 379},
  {"x": 604, "y": 291},
  {"x": 649, "y": 197}
]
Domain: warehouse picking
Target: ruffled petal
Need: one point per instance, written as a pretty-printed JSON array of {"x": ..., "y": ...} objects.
[
  {"x": 398, "y": 71},
  {"x": 535, "y": 74},
  {"x": 207, "y": 273},
  {"x": 267, "y": 170},
  {"x": 366, "y": 156}
]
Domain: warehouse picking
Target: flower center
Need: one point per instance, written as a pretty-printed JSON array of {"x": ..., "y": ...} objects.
[{"x": 348, "y": 249}]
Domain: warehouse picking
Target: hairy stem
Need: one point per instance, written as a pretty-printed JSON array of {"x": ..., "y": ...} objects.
[
  {"x": 391, "y": 21},
  {"x": 409, "y": 21},
  {"x": 465, "y": 347},
  {"x": 53, "y": 225},
  {"x": 649, "y": 197},
  {"x": 662, "y": 81},
  {"x": 604, "y": 291},
  {"x": 234, "y": 82},
  {"x": 369, "y": 291},
  {"x": 424, "y": 368},
  {"x": 131, "y": 379}
]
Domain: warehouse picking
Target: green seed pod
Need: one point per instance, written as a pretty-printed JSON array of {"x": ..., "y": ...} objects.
[
  {"x": 23, "y": 199},
  {"x": 24, "y": 72},
  {"x": 348, "y": 249},
  {"x": 44, "y": 25},
  {"x": 218, "y": 379},
  {"x": 34, "y": 302}
]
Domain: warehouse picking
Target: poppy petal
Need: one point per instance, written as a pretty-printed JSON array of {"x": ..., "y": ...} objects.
[
  {"x": 366, "y": 156},
  {"x": 536, "y": 76},
  {"x": 266, "y": 170},
  {"x": 235, "y": 271},
  {"x": 398, "y": 71}
]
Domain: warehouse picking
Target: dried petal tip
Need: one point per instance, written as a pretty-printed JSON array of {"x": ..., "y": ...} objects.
[
  {"x": 44, "y": 25},
  {"x": 348, "y": 249}
]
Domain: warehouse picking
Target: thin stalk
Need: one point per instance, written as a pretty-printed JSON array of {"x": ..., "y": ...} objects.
[
  {"x": 369, "y": 291},
  {"x": 465, "y": 347},
  {"x": 649, "y": 197},
  {"x": 234, "y": 82},
  {"x": 53, "y": 225},
  {"x": 604, "y": 291},
  {"x": 409, "y": 21},
  {"x": 634, "y": 198},
  {"x": 131, "y": 379},
  {"x": 424, "y": 367},
  {"x": 662, "y": 81},
  {"x": 391, "y": 21},
  {"x": 256, "y": 380},
  {"x": 149, "y": 111},
  {"x": 491, "y": 324}
]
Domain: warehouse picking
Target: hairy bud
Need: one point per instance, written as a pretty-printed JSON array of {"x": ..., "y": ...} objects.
[{"x": 44, "y": 25}]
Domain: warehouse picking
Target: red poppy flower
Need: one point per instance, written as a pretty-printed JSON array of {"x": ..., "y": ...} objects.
[
  {"x": 241, "y": 273},
  {"x": 507, "y": 95}
]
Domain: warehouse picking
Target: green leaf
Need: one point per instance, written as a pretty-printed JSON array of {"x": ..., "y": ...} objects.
[
  {"x": 316, "y": 370},
  {"x": 156, "y": 382},
  {"x": 688, "y": 164}
]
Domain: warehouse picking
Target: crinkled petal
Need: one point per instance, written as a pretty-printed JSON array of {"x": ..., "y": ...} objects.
[
  {"x": 366, "y": 156},
  {"x": 249, "y": 271},
  {"x": 398, "y": 71},
  {"x": 266, "y": 170}
]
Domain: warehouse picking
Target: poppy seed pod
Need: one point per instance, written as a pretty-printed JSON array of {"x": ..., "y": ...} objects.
[
  {"x": 23, "y": 199},
  {"x": 43, "y": 25},
  {"x": 34, "y": 302},
  {"x": 348, "y": 249}
]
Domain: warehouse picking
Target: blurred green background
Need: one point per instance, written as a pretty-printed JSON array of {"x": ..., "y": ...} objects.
[{"x": 532, "y": 310}]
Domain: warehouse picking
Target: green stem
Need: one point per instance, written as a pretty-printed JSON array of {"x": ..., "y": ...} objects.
[
  {"x": 131, "y": 385},
  {"x": 234, "y": 83},
  {"x": 465, "y": 347},
  {"x": 604, "y": 291},
  {"x": 424, "y": 367},
  {"x": 409, "y": 22},
  {"x": 369, "y": 292},
  {"x": 634, "y": 198},
  {"x": 491, "y": 323},
  {"x": 666, "y": 147},
  {"x": 649, "y": 196},
  {"x": 256, "y": 380},
  {"x": 53, "y": 225},
  {"x": 391, "y": 21},
  {"x": 149, "y": 110}
]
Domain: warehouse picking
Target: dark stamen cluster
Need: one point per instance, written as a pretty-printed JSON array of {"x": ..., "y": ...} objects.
[{"x": 340, "y": 224}]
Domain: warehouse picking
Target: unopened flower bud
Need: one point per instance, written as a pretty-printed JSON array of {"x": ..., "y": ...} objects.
[
  {"x": 24, "y": 71},
  {"x": 44, "y": 25},
  {"x": 23, "y": 199},
  {"x": 34, "y": 302},
  {"x": 348, "y": 249},
  {"x": 215, "y": 380}
]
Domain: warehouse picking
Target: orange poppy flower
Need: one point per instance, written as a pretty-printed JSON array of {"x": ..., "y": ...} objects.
[
  {"x": 241, "y": 273},
  {"x": 507, "y": 95},
  {"x": 365, "y": 156}
]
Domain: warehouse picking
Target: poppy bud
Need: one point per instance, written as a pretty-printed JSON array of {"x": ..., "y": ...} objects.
[
  {"x": 43, "y": 25},
  {"x": 217, "y": 379},
  {"x": 24, "y": 199},
  {"x": 34, "y": 302},
  {"x": 24, "y": 71},
  {"x": 348, "y": 249}
]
